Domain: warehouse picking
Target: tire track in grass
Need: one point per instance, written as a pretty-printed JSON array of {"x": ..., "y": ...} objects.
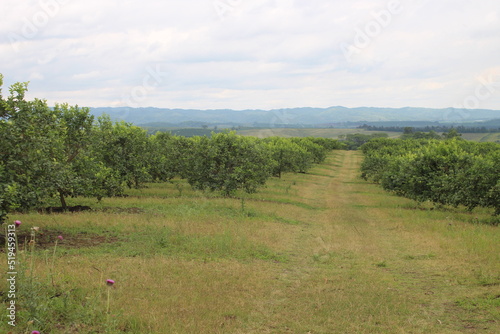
[
  {"x": 357, "y": 269},
  {"x": 323, "y": 289}
]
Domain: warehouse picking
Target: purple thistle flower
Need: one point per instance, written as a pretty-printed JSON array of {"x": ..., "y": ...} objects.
[
  {"x": 18, "y": 223},
  {"x": 35, "y": 332},
  {"x": 110, "y": 282},
  {"x": 60, "y": 237}
]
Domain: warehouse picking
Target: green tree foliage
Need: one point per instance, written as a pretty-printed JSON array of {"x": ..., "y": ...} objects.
[
  {"x": 123, "y": 147},
  {"x": 288, "y": 156},
  {"x": 71, "y": 158},
  {"x": 298, "y": 154},
  {"x": 410, "y": 133},
  {"x": 452, "y": 133},
  {"x": 46, "y": 152},
  {"x": 227, "y": 162},
  {"x": 380, "y": 152},
  {"x": 328, "y": 144},
  {"x": 447, "y": 172},
  {"x": 318, "y": 152},
  {"x": 168, "y": 156},
  {"x": 27, "y": 132},
  {"x": 354, "y": 140},
  {"x": 162, "y": 161},
  {"x": 62, "y": 151}
]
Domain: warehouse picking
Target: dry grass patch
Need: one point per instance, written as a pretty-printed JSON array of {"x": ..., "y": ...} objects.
[{"x": 176, "y": 296}]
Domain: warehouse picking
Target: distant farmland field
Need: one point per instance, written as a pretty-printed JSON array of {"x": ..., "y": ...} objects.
[
  {"x": 482, "y": 137},
  {"x": 307, "y": 132},
  {"x": 335, "y": 133}
]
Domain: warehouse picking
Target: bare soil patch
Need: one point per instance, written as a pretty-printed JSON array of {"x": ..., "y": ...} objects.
[{"x": 46, "y": 239}]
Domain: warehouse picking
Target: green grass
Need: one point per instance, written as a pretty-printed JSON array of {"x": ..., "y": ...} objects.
[{"x": 323, "y": 252}]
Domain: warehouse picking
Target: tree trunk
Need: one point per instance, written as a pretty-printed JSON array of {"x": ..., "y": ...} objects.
[{"x": 63, "y": 200}]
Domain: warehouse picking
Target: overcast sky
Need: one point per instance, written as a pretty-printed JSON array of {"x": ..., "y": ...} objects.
[{"x": 246, "y": 54}]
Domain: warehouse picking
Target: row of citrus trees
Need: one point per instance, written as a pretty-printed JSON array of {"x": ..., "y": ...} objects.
[
  {"x": 63, "y": 152},
  {"x": 446, "y": 172}
]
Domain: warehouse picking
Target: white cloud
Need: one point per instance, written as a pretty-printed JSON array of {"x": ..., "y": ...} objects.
[
  {"x": 260, "y": 54},
  {"x": 36, "y": 76},
  {"x": 87, "y": 75}
]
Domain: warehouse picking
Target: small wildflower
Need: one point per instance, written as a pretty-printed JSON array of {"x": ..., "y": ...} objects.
[
  {"x": 110, "y": 283},
  {"x": 17, "y": 223},
  {"x": 35, "y": 332},
  {"x": 35, "y": 228},
  {"x": 60, "y": 237}
]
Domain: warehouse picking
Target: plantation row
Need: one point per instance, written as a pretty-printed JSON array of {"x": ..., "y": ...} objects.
[
  {"x": 63, "y": 151},
  {"x": 446, "y": 172}
]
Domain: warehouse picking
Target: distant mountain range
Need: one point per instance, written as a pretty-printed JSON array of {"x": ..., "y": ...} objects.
[{"x": 295, "y": 117}]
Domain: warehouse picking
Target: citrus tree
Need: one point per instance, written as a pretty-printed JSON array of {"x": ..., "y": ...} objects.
[
  {"x": 47, "y": 152},
  {"x": 446, "y": 172},
  {"x": 227, "y": 162}
]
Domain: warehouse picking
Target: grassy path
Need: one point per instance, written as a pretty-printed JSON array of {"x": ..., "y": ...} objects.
[{"x": 363, "y": 265}]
